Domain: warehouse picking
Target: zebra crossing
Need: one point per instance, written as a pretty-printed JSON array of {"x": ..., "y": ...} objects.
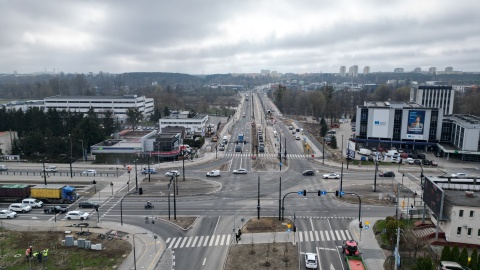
[
  {"x": 225, "y": 240},
  {"x": 272, "y": 156}
]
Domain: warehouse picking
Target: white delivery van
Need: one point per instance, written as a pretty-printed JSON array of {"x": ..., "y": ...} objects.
[
  {"x": 364, "y": 152},
  {"x": 34, "y": 203},
  {"x": 50, "y": 169},
  {"x": 214, "y": 173},
  {"x": 392, "y": 153},
  {"x": 225, "y": 140},
  {"x": 3, "y": 167}
]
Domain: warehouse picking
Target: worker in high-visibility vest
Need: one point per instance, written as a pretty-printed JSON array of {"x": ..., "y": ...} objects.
[{"x": 45, "y": 254}]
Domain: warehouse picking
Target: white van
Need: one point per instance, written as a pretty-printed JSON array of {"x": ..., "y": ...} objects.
[
  {"x": 3, "y": 167},
  {"x": 50, "y": 169},
  {"x": 225, "y": 140},
  {"x": 392, "y": 153},
  {"x": 34, "y": 203},
  {"x": 214, "y": 173}
]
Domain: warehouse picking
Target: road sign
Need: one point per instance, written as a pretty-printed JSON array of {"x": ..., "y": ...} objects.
[
  {"x": 367, "y": 222},
  {"x": 366, "y": 227},
  {"x": 288, "y": 230},
  {"x": 342, "y": 193},
  {"x": 300, "y": 192},
  {"x": 289, "y": 225},
  {"x": 280, "y": 163},
  {"x": 323, "y": 192}
]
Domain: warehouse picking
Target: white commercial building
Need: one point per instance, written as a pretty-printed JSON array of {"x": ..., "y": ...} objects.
[
  {"x": 194, "y": 125},
  {"x": 100, "y": 104},
  {"x": 437, "y": 96}
]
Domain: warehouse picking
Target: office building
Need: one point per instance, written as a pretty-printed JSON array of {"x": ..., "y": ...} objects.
[
  {"x": 343, "y": 71},
  {"x": 432, "y": 70},
  {"x": 398, "y": 70},
  {"x": 366, "y": 70},
  {"x": 437, "y": 96}
]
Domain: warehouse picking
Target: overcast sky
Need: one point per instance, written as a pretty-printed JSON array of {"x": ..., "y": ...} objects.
[{"x": 229, "y": 36}]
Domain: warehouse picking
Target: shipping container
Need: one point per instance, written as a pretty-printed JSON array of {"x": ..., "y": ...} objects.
[{"x": 14, "y": 192}]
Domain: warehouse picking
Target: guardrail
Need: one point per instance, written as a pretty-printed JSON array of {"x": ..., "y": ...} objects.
[{"x": 60, "y": 174}]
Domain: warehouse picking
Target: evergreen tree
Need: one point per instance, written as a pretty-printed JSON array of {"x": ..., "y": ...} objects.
[
  {"x": 446, "y": 254},
  {"x": 455, "y": 254},
  {"x": 423, "y": 263},
  {"x": 333, "y": 142},
  {"x": 478, "y": 262},
  {"x": 155, "y": 116},
  {"x": 463, "y": 259},
  {"x": 166, "y": 111},
  {"x": 474, "y": 262}
]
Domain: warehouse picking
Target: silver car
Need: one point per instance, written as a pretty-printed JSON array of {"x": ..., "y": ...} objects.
[
  {"x": 19, "y": 207},
  {"x": 77, "y": 215},
  {"x": 7, "y": 214}
]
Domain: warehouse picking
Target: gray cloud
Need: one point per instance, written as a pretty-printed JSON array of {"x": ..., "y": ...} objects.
[{"x": 237, "y": 36}]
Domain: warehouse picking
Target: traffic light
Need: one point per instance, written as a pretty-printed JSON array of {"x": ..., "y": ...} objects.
[
  {"x": 319, "y": 193},
  {"x": 336, "y": 193},
  {"x": 294, "y": 228},
  {"x": 304, "y": 192},
  {"x": 244, "y": 142},
  {"x": 360, "y": 225},
  {"x": 140, "y": 191}
]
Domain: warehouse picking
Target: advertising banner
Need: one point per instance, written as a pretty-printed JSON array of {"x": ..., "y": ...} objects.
[
  {"x": 380, "y": 123},
  {"x": 416, "y": 121},
  {"x": 433, "y": 197},
  {"x": 351, "y": 149}
]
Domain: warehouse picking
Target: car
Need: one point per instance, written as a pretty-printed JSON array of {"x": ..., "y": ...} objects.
[
  {"x": 77, "y": 215},
  {"x": 89, "y": 172},
  {"x": 308, "y": 172},
  {"x": 55, "y": 209},
  {"x": 331, "y": 176},
  {"x": 88, "y": 204},
  {"x": 149, "y": 171},
  {"x": 417, "y": 162},
  {"x": 240, "y": 171},
  {"x": 426, "y": 162},
  {"x": 459, "y": 175},
  {"x": 410, "y": 161},
  {"x": 421, "y": 156},
  {"x": 449, "y": 265},
  {"x": 221, "y": 148},
  {"x": 5, "y": 213},
  {"x": 311, "y": 261},
  {"x": 386, "y": 174},
  {"x": 433, "y": 163},
  {"x": 19, "y": 207},
  {"x": 297, "y": 138},
  {"x": 172, "y": 173},
  {"x": 294, "y": 132},
  {"x": 50, "y": 169},
  {"x": 34, "y": 203},
  {"x": 238, "y": 148},
  {"x": 290, "y": 127},
  {"x": 261, "y": 149},
  {"x": 214, "y": 173}
]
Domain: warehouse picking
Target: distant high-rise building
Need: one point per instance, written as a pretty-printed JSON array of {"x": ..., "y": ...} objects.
[
  {"x": 353, "y": 71},
  {"x": 432, "y": 70},
  {"x": 343, "y": 71},
  {"x": 417, "y": 70},
  {"x": 265, "y": 72},
  {"x": 398, "y": 70},
  {"x": 434, "y": 96},
  {"x": 449, "y": 69},
  {"x": 366, "y": 70}
]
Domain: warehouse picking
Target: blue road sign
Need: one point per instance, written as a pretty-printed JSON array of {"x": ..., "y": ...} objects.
[
  {"x": 288, "y": 230},
  {"x": 280, "y": 163},
  {"x": 342, "y": 193},
  {"x": 366, "y": 227},
  {"x": 323, "y": 192},
  {"x": 300, "y": 192}
]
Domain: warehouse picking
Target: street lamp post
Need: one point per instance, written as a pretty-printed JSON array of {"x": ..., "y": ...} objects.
[
  {"x": 134, "y": 255},
  {"x": 94, "y": 183},
  {"x": 111, "y": 185},
  {"x": 183, "y": 166},
  {"x": 44, "y": 173},
  {"x": 136, "y": 176},
  {"x": 71, "y": 157},
  {"x": 83, "y": 152},
  {"x": 360, "y": 226},
  {"x": 149, "y": 172}
]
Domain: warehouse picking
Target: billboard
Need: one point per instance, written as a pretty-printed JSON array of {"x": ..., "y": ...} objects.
[
  {"x": 416, "y": 124},
  {"x": 433, "y": 197},
  {"x": 351, "y": 149},
  {"x": 380, "y": 123}
]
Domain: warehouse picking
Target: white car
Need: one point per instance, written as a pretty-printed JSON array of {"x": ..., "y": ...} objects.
[
  {"x": 7, "y": 214},
  {"x": 34, "y": 203},
  {"x": 172, "y": 173},
  {"x": 331, "y": 176},
  {"x": 410, "y": 161},
  {"x": 19, "y": 207},
  {"x": 89, "y": 172},
  {"x": 297, "y": 138},
  {"x": 77, "y": 215},
  {"x": 311, "y": 260},
  {"x": 459, "y": 175},
  {"x": 240, "y": 171}
]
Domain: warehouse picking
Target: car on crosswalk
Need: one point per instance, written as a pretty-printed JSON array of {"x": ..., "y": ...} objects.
[{"x": 331, "y": 176}]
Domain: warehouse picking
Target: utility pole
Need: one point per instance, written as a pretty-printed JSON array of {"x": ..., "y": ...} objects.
[
  {"x": 258, "y": 199},
  {"x": 280, "y": 200}
]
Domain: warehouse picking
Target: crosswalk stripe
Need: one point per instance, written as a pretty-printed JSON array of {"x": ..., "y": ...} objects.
[
  {"x": 327, "y": 236},
  {"x": 206, "y": 241},
  {"x": 316, "y": 236},
  {"x": 300, "y": 237},
  {"x": 188, "y": 242},
  {"x": 228, "y": 239},
  {"x": 338, "y": 235},
  {"x": 194, "y": 241},
  {"x": 306, "y": 236},
  {"x": 343, "y": 235},
  {"x": 200, "y": 241},
  {"x": 333, "y": 235},
  {"x": 171, "y": 243},
  {"x": 348, "y": 235},
  {"x": 211, "y": 240},
  {"x": 183, "y": 242},
  {"x": 221, "y": 241},
  {"x": 178, "y": 242},
  {"x": 168, "y": 240},
  {"x": 321, "y": 236},
  {"x": 311, "y": 235}
]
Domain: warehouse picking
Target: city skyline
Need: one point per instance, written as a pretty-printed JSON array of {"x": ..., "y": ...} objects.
[{"x": 241, "y": 37}]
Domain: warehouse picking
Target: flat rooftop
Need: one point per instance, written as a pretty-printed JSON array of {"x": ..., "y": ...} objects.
[
  {"x": 392, "y": 104},
  {"x": 459, "y": 198}
]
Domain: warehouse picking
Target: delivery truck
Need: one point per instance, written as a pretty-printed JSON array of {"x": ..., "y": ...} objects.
[{"x": 45, "y": 193}]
